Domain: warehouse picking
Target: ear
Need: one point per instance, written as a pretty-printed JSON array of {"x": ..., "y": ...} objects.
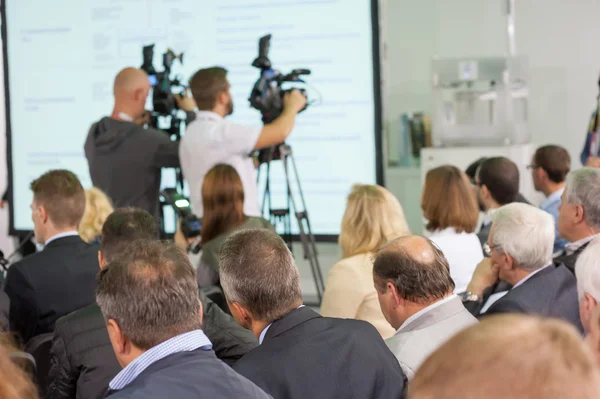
[
  {"x": 240, "y": 314},
  {"x": 120, "y": 343},
  {"x": 485, "y": 192},
  {"x": 397, "y": 298},
  {"x": 139, "y": 94},
  {"x": 579, "y": 214},
  {"x": 101, "y": 260},
  {"x": 43, "y": 214},
  {"x": 589, "y": 303},
  {"x": 509, "y": 262},
  {"x": 201, "y": 311},
  {"x": 223, "y": 98}
]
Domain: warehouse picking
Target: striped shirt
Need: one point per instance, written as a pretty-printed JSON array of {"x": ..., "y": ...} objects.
[{"x": 181, "y": 343}]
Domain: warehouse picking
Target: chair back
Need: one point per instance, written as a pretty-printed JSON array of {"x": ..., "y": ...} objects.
[{"x": 39, "y": 348}]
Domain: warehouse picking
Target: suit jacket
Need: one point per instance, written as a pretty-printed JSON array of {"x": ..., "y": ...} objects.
[
  {"x": 50, "y": 284},
  {"x": 4, "y": 311},
  {"x": 350, "y": 293},
  {"x": 189, "y": 375},
  {"x": 82, "y": 361},
  {"x": 569, "y": 260},
  {"x": 304, "y": 355},
  {"x": 414, "y": 342},
  {"x": 484, "y": 233},
  {"x": 552, "y": 292}
]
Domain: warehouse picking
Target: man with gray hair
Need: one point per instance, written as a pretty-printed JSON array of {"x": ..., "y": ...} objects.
[
  {"x": 302, "y": 355},
  {"x": 149, "y": 299},
  {"x": 587, "y": 271},
  {"x": 520, "y": 253},
  {"x": 579, "y": 214}
]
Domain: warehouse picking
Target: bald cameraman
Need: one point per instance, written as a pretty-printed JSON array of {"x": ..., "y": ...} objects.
[
  {"x": 211, "y": 139},
  {"x": 124, "y": 158}
]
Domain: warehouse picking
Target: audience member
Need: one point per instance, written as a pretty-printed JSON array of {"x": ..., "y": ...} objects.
[
  {"x": 97, "y": 208},
  {"x": 60, "y": 279},
  {"x": 579, "y": 214},
  {"x": 451, "y": 211},
  {"x": 587, "y": 273},
  {"x": 373, "y": 217},
  {"x": 82, "y": 360},
  {"x": 549, "y": 168},
  {"x": 510, "y": 356},
  {"x": 592, "y": 338},
  {"x": 4, "y": 312},
  {"x": 223, "y": 202},
  {"x": 119, "y": 143},
  {"x": 149, "y": 299},
  {"x": 497, "y": 184},
  {"x": 302, "y": 354},
  {"x": 520, "y": 250},
  {"x": 414, "y": 286},
  {"x": 15, "y": 383}
]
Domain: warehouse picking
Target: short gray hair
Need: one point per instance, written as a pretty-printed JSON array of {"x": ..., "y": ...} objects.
[
  {"x": 583, "y": 188},
  {"x": 526, "y": 233},
  {"x": 257, "y": 271},
  {"x": 150, "y": 292},
  {"x": 587, "y": 271}
]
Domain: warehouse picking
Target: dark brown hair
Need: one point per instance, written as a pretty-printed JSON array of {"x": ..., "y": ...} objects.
[
  {"x": 501, "y": 177},
  {"x": 223, "y": 201},
  {"x": 416, "y": 281},
  {"x": 554, "y": 160},
  {"x": 206, "y": 85},
  {"x": 124, "y": 226},
  {"x": 61, "y": 193},
  {"x": 449, "y": 201},
  {"x": 151, "y": 292}
]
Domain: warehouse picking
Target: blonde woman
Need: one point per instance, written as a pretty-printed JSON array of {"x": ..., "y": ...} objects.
[
  {"x": 373, "y": 217},
  {"x": 97, "y": 208}
]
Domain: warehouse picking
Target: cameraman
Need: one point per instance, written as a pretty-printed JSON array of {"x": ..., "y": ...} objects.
[
  {"x": 211, "y": 139},
  {"x": 124, "y": 158}
]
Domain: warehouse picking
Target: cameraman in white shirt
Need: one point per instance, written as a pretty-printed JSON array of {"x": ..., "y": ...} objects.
[{"x": 210, "y": 139}]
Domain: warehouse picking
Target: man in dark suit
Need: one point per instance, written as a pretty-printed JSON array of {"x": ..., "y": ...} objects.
[
  {"x": 579, "y": 214},
  {"x": 520, "y": 249},
  {"x": 82, "y": 361},
  {"x": 60, "y": 279},
  {"x": 149, "y": 299},
  {"x": 302, "y": 355}
]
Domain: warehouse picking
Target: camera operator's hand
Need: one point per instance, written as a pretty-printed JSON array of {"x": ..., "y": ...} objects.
[
  {"x": 185, "y": 102},
  {"x": 294, "y": 100},
  {"x": 180, "y": 239},
  {"x": 142, "y": 119}
]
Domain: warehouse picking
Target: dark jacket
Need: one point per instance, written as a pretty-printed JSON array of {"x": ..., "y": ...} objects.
[
  {"x": 125, "y": 162},
  {"x": 4, "y": 311},
  {"x": 551, "y": 292},
  {"x": 304, "y": 355},
  {"x": 570, "y": 260},
  {"x": 50, "y": 284},
  {"x": 82, "y": 361},
  {"x": 189, "y": 375}
]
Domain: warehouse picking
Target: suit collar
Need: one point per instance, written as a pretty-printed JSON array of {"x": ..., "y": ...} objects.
[
  {"x": 62, "y": 241},
  {"x": 537, "y": 274},
  {"x": 435, "y": 315},
  {"x": 291, "y": 320}
]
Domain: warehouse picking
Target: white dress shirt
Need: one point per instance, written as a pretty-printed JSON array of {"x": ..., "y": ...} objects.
[
  {"x": 530, "y": 275},
  {"x": 61, "y": 235},
  {"x": 211, "y": 139},
  {"x": 425, "y": 310}
]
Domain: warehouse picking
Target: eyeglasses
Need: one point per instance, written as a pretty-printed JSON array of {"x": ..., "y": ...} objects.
[{"x": 487, "y": 248}]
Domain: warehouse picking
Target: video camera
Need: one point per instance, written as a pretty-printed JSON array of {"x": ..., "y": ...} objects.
[
  {"x": 163, "y": 98},
  {"x": 267, "y": 93},
  {"x": 190, "y": 224}
]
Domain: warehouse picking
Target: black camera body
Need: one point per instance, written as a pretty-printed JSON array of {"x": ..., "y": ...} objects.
[
  {"x": 163, "y": 99},
  {"x": 267, "y": 93},
  {"x": 191, "y": 225}
]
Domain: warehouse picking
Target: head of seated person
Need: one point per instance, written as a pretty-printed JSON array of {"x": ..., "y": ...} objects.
[
  {"x": 510, "y": 356},
  {"x": 373, "y": 216},
  {"x": 15, "y": 383},
  {"x": 121, "y": 228},
  {"x": 587, "y": 271},
  {"x": 97, "y": 208},
  {"x": 549, "y": 168},
  {"x": 497, "y": 183},
  {"x": 58, "y": 204},
  {"x": 223, "y": 202},
  {"x": 579, "y": 212},
  {"x": 267, "y": 287},
  {"x": 448, "y": 201},
  {"x": 520, "y": 241}
]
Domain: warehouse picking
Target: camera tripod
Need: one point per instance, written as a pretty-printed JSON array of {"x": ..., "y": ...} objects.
[{"x": 282, "y": 216}]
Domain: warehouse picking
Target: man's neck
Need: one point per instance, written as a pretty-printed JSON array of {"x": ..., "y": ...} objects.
[
  {"x": 51, "y": 233},
  {"x": 582, "y": 231},
  {"x": 551, "y": 188},
  {"x": 257, "y": 326},
  {"x": 121, "y": 109},
  {"x": 518, "y": 275},
  {"x": 491, "y": 205},
  {"x": 219, "y": 111},
  {"x": 412, "y": 308}
]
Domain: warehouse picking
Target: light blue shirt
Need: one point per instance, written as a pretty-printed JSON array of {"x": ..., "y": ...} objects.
[
  {"x": 181, "y": 343},
  {"x": 61, "y": 235},
  {"x": 550, "y": 205}
]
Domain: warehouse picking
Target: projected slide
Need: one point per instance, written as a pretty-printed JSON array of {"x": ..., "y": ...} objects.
[{"x": 62, "y": 61}]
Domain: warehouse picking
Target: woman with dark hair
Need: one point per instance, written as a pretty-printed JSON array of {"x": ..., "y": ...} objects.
[{"x": 223, "y": 203}]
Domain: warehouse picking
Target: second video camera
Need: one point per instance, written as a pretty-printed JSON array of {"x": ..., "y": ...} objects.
[{"x": 163, "y": 98}]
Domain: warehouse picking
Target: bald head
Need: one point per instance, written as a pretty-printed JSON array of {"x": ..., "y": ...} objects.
[
  {"x": 131, "y": 90},
  {"x": 416, "y": 267},
  {"x": 129, "y": 80}
]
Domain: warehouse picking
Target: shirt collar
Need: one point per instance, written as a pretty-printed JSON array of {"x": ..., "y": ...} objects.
[
  {"x": 185, "y": 342},
  {"x": 572, "y": 247},
  {"x": 124, "y": 117},
  {"x": 554, "y": 197},
  {"x": 488, "y": 217},
  {"x": 208, "y": 116},
  {"x": 61, "y": 235},
  {"x": 530, "y": 275},
  {"x": 262, "y": 335},
  {"x": 425, "y": 310}
]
